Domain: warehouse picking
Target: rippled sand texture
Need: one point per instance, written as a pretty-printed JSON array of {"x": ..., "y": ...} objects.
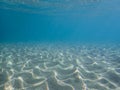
[{"x": 59, "y": 67}]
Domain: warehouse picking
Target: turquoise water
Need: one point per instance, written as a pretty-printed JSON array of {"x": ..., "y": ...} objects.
[
  {"x": 59, "y": 45},
  {"x": 80, "y": 21}
]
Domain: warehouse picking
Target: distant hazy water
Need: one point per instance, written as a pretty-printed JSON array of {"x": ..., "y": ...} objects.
[
  {"x": 59, "y": 67},
  {"x": 59, "y": 20}
]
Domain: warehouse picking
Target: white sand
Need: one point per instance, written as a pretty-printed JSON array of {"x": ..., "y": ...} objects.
[{"x": 59, "y": 67}]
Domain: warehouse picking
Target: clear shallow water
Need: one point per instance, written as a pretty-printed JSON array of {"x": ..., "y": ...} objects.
[
  {"x": 56, "y": 20},
  {"x": 61, "y": 60},
  {"x": 59, "y": 67}
]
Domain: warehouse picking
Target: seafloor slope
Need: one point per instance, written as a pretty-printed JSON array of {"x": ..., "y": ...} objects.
[{"x": 59, "y": 67}]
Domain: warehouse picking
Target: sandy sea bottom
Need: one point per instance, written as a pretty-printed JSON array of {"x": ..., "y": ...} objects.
[{"x": 59, "y": 67}]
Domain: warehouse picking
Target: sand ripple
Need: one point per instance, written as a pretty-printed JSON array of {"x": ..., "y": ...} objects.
[{"x": 59, "y": 67}]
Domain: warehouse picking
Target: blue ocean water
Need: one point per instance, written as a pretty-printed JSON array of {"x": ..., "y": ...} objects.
[
  {"x": 59, "y": 45},
  {"x": 92, "y": 21}
]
